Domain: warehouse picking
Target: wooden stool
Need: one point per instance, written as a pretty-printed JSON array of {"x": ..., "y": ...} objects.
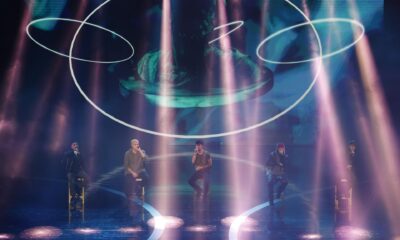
[{"x": 81, "y": 197}]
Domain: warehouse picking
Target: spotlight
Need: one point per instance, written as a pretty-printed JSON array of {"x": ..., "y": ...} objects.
[
  {"x": 201, "y": 228},
  {"x": 6, "y": 236},
  {"x": 87, "y": 231},
  {"x": 165, "y": 222},
  {"x": 45, "y": 232},
  {"x": 353, "y": 233},
  {"x": 248, "y": 224},
  {"x": 130, "y": 229},
  {"x": 311, "y": 236}
]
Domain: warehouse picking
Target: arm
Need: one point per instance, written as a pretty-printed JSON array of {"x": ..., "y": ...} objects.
[
  {"x": 142, "y": 153},
  {"x": 68, "y": 162},
  {"x": 269, "y": 164},
  {"x": 209, "y": 163},
  {"x": 194, "y": 157}
]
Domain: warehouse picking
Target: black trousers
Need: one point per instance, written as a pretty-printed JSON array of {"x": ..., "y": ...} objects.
[
  {"x": 75, "y": 185},
  {"x": 201, "y": 174},
  {"x": 282, "y": 182}
]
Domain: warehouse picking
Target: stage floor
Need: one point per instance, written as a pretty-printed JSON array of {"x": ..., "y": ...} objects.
[{"x": 37, "y": 208}]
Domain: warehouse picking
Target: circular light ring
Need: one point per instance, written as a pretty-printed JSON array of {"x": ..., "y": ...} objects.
[
  {"x": 222, "y": 134},
  {"x": 324, "y": 20},
  {"x": 82, "y": 23}
]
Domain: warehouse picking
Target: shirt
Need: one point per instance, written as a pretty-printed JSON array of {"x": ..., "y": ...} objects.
[
  {"x": 202, "y": 159},
  {"x": 133, "y": 161}
]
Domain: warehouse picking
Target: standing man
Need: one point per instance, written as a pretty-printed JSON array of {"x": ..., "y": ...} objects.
[
  {"x": 276, "y": 172},
  {"x": 134, "y": 169},
  {"x": 75, "y": 173},
  {"x": 202, "y": 162}
]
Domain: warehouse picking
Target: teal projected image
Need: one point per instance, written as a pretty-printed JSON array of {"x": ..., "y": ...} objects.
[
  {"x": 272, "y": 54},
  {"x": 148, "y": 83}
]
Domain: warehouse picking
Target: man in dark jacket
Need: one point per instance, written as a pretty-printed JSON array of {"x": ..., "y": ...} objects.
[
  {"x": 276, "y": 172},
  {"x": 75, "y": 171}
]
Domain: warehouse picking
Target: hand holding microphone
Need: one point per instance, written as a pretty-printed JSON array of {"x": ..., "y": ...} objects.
[{"x": 142, "y": 151}]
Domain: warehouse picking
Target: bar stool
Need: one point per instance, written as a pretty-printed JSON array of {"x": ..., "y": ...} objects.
[
  {"x": 81, "y": 197},
  {"x": 140, "y": 183},
  {"x": 343, "y": 201}
]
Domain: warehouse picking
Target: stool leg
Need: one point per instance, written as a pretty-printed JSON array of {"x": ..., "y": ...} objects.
[
  {"x": 69, "y": 202},
  {"x": 142, "y": 203},
  {"x": 83, "y": 198},
  {"x": 69, "y": 197},
  {"x": 350, "y": 203}
]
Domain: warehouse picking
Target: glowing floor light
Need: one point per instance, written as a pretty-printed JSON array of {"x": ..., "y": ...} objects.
[
  {"x": 6, "y": 236},
  {"x": 201, "y": 228},
  {"x": 87, "y": 231},
  {"x": 130, "y": 229},
  {"x": 43, "y": 232},
  {"x": 354, "y": 233},
  {"x": 246, "y": 222},
  {"x": 311, "y": 236},
  {"x": 165, "y": 222}
]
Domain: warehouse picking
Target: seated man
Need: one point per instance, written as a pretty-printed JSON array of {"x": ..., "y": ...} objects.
[
  {"x": 276, "y": 165},
  {"x": 202, "y": 162},
  {"x": 134, "y": 169},
  {"x": 77, "y": 177}
]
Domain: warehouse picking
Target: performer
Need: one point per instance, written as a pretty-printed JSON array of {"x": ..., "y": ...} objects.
[
  {"x": 276, "y": 173},
  {"x": 352, "y": 154},
  {"x": 202, "y": 162},
  {"x": 353, "y": 167},
  {"x": 75, "y": 171},
  {"x": 134, "y": 169}
]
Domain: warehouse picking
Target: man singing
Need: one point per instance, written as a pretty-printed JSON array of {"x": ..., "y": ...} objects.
[
  {"x": 77, "y": 177},
  {"x": 276, "y": 173},
  {"x": 134, "y": 169},
  {"x": 202, "y": 162}
]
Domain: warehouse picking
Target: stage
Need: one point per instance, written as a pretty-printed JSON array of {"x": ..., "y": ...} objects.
[
  {"x": 199, "y": 119},
  {"x": 38, "y": 208}
]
